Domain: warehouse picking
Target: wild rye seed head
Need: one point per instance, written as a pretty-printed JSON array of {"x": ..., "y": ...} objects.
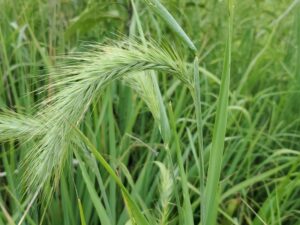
[{"x": 81, "y": 79}]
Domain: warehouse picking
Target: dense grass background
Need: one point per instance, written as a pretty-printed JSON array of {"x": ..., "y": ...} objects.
[{"x": 260, "y": 178}]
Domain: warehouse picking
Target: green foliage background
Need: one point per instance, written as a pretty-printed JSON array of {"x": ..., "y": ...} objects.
[{"x": 137, "y": 172}]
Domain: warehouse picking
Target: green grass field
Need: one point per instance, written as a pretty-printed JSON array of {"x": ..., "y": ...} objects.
[{"x": 150, "y": 112}]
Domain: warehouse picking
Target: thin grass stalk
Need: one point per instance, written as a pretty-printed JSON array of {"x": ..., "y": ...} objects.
[
  {"x": 113, "y": 155},
  {"x": 216, "y": 155},
  {"x": 197, "y": 103},
  {"x": 99, "y": 207},
  {"x": 133, "y": 209},
  {"x": 81, "y": 212},
  {"x": 187, "y": 207},
  {"x": 298, "y": 43}
]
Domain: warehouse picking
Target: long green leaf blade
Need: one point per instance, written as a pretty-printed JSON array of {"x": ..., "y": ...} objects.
[
  {"x": 172, "y": 23},
  {"x": 93, "y": 193},
  {"x": 187, "y": 207},
  {"x": 197, "y": 103},
  {"x": 216, "y": 154},
  {"x": 133, "y": 209}
]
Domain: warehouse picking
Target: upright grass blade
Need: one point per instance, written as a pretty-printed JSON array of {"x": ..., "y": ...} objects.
[
  {"x": 172, "y": 23},
  {"x": 298, "y": 42},
  {"x": 136, "y": 215},
  {"x": 216, "y": 154},
  {"x": 255, "y": 60},
  {"x": 113, "y": 155},
  {"x": 187, "y": 207},
  {"x": 103, "y": 217},
  {"x": 82, "y": 217},
  {"x": 197, "y": 103}
]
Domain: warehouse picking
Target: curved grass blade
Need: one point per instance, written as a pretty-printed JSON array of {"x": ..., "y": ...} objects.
[
  {"x": 152, "y": 87},
  {"x": 172, "y": 23},
  {"x": 103, "y": 216},
  {"x": 251, "y": 181},
  {"x": 133, "y": 210}
]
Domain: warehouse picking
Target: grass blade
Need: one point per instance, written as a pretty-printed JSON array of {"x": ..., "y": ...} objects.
[
  {"x": 216, "y": 154},
  {"x": 153, "y": 86},
  {"x": 82, "y": 217},
  {"x": 93, "y": 193},
  {"x": 187, "y": 207},
  {"x": 132, "y": 207},
  {"x": 172, "y": 23},
  {"x": 253, "y": 180},
  {"x": 197, "y": 103}
]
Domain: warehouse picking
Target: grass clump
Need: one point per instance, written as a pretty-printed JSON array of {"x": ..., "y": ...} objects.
[{"x": 87, "y": 138}]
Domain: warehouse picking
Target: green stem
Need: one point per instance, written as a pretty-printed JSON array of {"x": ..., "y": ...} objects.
[{"x": 216, "y": 155}]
